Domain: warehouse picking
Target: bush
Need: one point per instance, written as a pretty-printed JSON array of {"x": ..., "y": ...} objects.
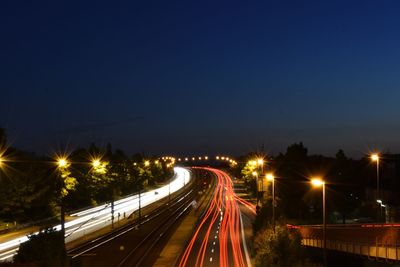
[
  {"x": 45, "y": 249},
  {"x": 279, "y": 249}
]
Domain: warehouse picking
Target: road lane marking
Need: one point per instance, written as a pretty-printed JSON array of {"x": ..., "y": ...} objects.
[{"x": 244, "y": 242}]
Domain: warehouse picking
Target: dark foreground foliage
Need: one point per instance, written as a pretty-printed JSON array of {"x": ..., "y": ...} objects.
[
  {"x": 281, "y": 248},
  {"x": 45, "y": 249}
]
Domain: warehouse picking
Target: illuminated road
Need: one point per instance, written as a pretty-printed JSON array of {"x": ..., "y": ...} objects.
[
  {"x": 219, "y": 238},
  {"x": 93, "y": 219}
]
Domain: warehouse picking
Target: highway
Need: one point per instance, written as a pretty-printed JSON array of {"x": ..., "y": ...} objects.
[
  {"x": 218, "y": 239},
  {"x": 139, "y": 243},
  {"x": 87, "y": 221}
]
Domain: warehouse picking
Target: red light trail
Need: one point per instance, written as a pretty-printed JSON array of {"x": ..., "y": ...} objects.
[{"x": 223, "y": 218}]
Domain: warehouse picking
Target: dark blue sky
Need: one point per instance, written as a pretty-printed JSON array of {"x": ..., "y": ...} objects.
[{"x": 197, "y": 76}]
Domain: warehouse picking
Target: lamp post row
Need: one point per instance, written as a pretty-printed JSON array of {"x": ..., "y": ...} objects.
[{"x": 63, "y": 164}]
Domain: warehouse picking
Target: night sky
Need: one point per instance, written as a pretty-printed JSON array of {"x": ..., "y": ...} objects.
[{"x": 194, "y": 77}]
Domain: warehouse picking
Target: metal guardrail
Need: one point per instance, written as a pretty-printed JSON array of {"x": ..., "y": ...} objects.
[
  {"x": 376, "y": 251},
  {"x": 374, "y": 241}
]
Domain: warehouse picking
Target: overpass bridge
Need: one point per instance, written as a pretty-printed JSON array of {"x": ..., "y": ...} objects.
[{"x": 372, "y": 240}]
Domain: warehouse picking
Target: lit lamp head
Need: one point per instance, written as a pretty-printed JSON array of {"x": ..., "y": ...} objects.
[
  {"x": 62, "y": 162},
  {"x": 270, "y": 177},
  {"x": 260, "y": 161},
  {"x": 146, "y": 163},
  {"x": 254, "y": 173},
  {"x": 375, "y": 157},
  {"x": 96, "y": 163},
  {"x": 317, "y": 182}
]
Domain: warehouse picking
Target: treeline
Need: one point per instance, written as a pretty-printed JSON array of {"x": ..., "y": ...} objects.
[
  {"x": 351, "y": 185},
  {"x": 30, "y": 188}
]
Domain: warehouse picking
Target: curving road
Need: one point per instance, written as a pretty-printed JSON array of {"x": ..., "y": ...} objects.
[
  {"x": 219, "y": 238},
  {"x": 90, "y": 220}
]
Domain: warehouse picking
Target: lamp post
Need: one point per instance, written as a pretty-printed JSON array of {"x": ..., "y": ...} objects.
[
  {"x": 260, "y": 162},
  {"x": 169, "y": 165},
  {"x": 255, "y": 174},
  {"x": 375, "y": 157},
  {"x": 99, "y": 167},
  {"x": 1, "y": 164},
  {"x": 169, "y": 193},
  {"x": 140, "y": 205},
  {"x": 62, "y": 164},
  {"x": 270, "y": 177},
  {"x": 317, "y": 182}
]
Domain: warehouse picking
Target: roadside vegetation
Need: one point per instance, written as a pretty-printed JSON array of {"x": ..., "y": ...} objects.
[
  {"x": 350, "y": 185},
  {"x": 281, "y": 248},
  {"x": 350, "y": 197},
  {"x": 31, "y": 188}
]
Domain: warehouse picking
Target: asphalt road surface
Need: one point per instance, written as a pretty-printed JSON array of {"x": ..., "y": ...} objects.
[{"x": 219, "y": 239}]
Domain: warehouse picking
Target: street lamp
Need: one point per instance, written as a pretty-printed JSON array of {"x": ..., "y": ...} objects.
[
  {"x": 260, "y": 162},
  {"x": 317, "y": 182},
  {"x": 375, "y": 157},
  {"x": 270, "y": 177},
  {"x": 100, "y": 168},
  {"x": 2, "y": 160},
  {"x": 255, "y": 174},
  {"x": 62, "y": 164},
  {"x": 169, "y": 186},
  {"x": 96, "y": 163}
]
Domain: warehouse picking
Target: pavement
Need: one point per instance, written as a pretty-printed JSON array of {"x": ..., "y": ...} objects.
[{"x": 177, "y": 244}]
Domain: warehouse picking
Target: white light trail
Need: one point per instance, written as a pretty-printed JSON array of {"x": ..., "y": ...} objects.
[{"x": 92, "y": 219}]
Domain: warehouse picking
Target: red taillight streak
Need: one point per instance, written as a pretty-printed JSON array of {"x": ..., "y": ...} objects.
[{"x": 230, "y": 224}]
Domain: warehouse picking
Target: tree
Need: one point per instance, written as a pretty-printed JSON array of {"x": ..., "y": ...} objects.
[
  {"x": 247, "y": 174},
  {"x": 45, "y": 249},
  {"x": 25, "y": 188},
  {"x": 281, "y": 248},
  {"x": 340, "y": 156},
  {"x": 3, "y": 138},
  {"x": 292, "y": 168},
  {"x": 296, "y": 152}
]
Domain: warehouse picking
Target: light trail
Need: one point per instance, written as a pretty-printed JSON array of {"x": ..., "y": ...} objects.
[
  {"x": 93, "y": 219},
  {"x": 223, "y": 214}
]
